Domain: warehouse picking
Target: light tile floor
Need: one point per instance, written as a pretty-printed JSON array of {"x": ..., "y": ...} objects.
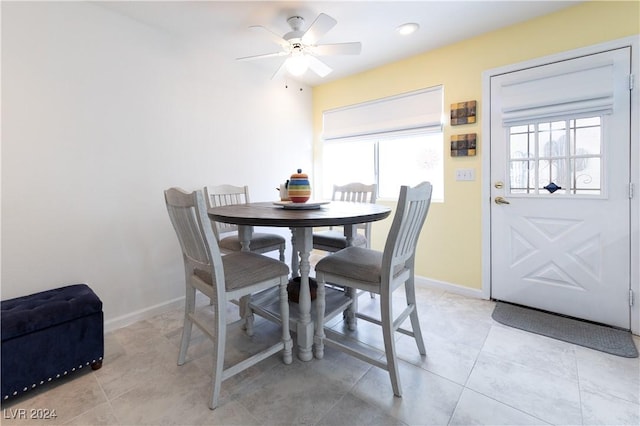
[{"x": 476, "y": 372}]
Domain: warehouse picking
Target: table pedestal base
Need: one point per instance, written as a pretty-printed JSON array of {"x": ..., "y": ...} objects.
[{"x": 267, "y": 305}]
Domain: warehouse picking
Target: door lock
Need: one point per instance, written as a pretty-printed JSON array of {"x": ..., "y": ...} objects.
[
  {"x": 499, "y": 185},
  {"x": 501, "y": 200}
]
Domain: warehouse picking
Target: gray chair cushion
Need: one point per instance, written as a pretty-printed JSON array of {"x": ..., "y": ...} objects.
[
  {"x": 259, "y": 241},
  {"x": 356, "y": 263},
  {"x": 336, "y": 239},
  {"x": 242, "y": 269}
]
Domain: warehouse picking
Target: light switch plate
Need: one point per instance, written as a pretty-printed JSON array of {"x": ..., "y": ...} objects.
[{"x": 465, "y": 174}]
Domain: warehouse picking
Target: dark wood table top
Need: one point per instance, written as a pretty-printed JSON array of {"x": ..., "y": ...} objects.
[{"x": 267, "y": 214}]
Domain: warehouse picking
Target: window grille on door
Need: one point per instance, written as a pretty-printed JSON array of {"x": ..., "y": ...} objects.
[{"x": 556, "y": 157}]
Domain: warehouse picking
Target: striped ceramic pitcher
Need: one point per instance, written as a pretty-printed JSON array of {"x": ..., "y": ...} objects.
[{"x": 299, "y": 188}]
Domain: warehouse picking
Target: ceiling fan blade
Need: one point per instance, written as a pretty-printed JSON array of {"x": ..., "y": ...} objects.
[
  {"x": 273, "y": 36},
  {"x": 280, "y": 71},
  {"x": 353, "y": 48},
  {"x": 319, "y": 67},
  {"x": 266, "y": 55},
  {"x": 320, "y": 27}
]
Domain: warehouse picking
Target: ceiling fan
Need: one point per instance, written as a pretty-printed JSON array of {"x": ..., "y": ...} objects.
[{"x": 300, "y": 46}]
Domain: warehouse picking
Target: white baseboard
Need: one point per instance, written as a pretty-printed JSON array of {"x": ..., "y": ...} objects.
[
  {"x": 451, "y": 288},
  {"x": 142, "y": 314}
]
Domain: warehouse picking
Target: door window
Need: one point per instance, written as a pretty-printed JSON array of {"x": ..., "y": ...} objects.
[{"x": 556, "y": 157}]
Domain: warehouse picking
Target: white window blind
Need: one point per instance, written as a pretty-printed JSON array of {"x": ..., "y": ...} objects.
[
  {"x": 418, "y": 110},
  {"x": 578, "y": 87}
]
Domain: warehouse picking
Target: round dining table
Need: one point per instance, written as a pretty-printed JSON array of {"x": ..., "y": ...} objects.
[{"x": 301, "y": 219}]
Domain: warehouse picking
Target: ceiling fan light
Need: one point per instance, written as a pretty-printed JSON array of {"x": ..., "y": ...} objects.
[
  {"x": 297, "y": 65},
  {"x": 408, "y": 28}
]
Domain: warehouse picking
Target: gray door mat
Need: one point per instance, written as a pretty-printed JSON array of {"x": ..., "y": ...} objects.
[{"x": 599, "y": 337}]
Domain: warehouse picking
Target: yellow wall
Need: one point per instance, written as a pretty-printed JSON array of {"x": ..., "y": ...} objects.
[{"x": 450, "y": 247}]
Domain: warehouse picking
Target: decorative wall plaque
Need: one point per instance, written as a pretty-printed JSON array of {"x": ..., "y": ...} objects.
[
  {"x": 463, "y": 113},
  {"x": 463, "y": 145}
]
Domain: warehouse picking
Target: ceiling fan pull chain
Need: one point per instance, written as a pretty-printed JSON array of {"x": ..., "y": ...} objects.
[{"x": 286, "y": 85}]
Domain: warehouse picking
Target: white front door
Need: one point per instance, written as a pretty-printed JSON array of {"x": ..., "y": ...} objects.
[{"x": 560, "y": 187}]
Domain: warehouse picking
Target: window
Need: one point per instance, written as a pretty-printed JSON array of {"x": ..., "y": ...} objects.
[
  {"x": 561, "y": 157},
  {"x": 392, "y": 142},
  {"x": 554, "y": 118},
  {"x": 389, "y": 162}
]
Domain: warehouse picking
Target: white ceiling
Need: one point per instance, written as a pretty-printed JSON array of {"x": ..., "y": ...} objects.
[{"x": 224, "y": 26}]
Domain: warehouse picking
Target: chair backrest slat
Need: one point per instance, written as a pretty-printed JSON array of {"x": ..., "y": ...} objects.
[
  {"x": 357, "y": 192},
  {"x": 200, "y": 250},
  {"x": 225, "y": 195},
  {"x": 411, "y": 212}
]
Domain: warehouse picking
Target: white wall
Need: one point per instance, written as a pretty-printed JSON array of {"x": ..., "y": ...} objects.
[{"x": 101, "y": 113}]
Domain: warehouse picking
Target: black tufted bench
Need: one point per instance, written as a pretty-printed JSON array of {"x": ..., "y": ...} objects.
[{"x": 48, "y": 335}]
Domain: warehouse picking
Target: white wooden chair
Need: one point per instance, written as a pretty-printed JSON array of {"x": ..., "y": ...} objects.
[
  {"x": 227, "y": 234},
  {"x": 381, "y": 273},
  {"x": 333, "y": 240},
  {"x": 221, "y": 278}
]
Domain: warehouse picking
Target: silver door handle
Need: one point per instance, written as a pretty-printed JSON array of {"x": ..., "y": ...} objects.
[{"x": 501, "y": 200}]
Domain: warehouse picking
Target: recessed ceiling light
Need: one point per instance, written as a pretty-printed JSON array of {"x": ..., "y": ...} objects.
[{"x": 408, "y": 28}]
